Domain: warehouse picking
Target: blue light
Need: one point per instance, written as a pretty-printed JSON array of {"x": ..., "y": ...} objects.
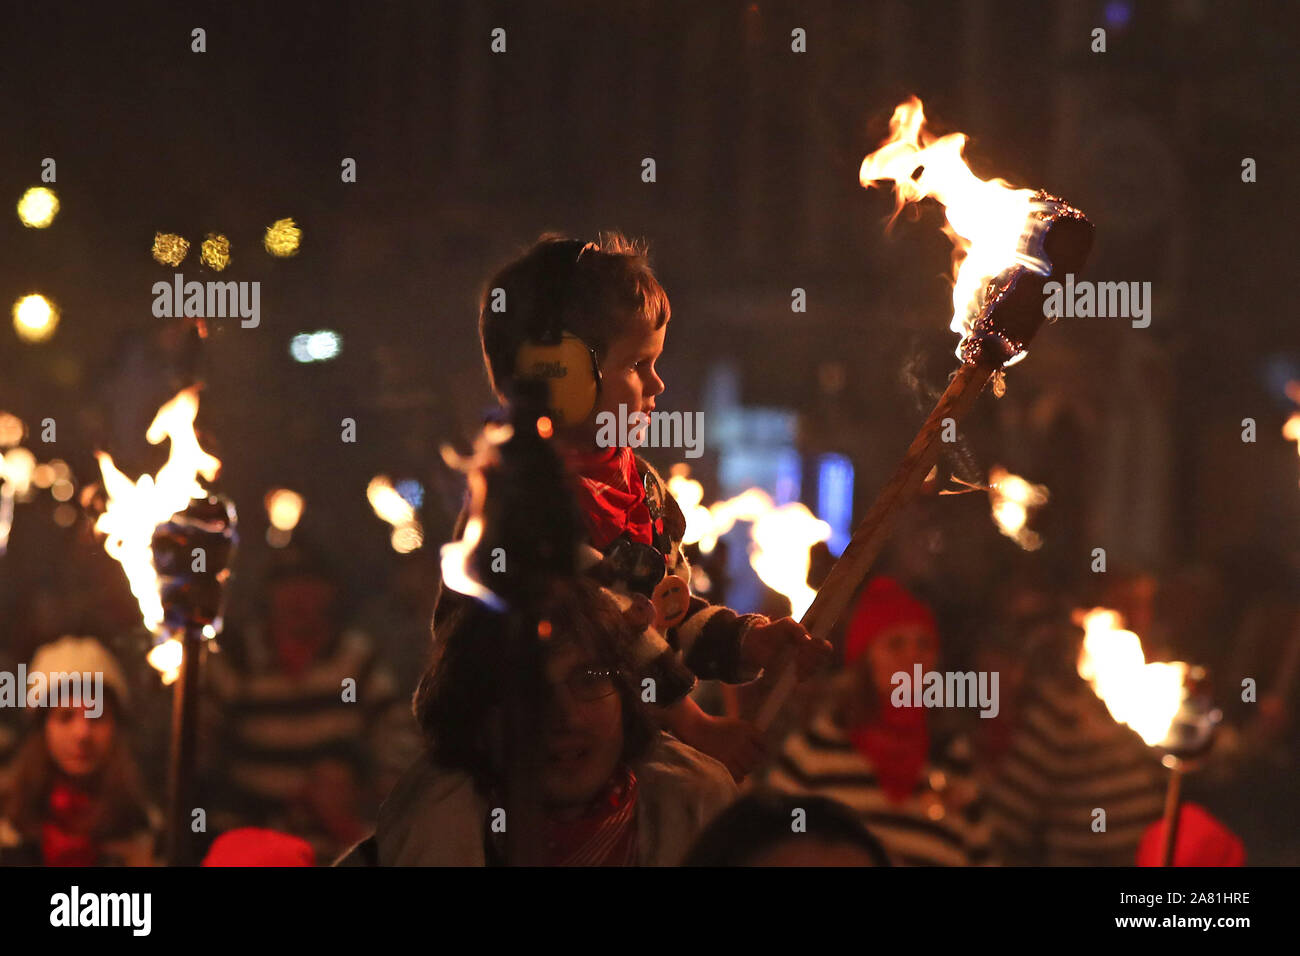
[
  {"x": 835, "y": 499},
  {"x": 412, "y": 492},
  {"x": 315, "y": 346},
  {"x": 1118, "y": 13}
]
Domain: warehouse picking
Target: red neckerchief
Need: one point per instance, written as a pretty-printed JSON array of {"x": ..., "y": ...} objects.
[
  {"x": 61, "y": 843},
  {"x": 897, "y": 743},
  {"x": 611, "y": 496},
  {"x": 605, "y": 835}
]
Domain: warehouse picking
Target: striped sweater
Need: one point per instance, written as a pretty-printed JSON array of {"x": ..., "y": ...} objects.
[
  {"x": 279, "y": 735},
  {"x": 1067, "y": 759},
  {"x": 940, "y": 824}
]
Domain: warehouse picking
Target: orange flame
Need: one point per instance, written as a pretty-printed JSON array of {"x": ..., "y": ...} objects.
[
  {"x": 1144, "y": 696},
  {"x": 1291, "y": 430},
  {"x": 136, "y": 508},
  {"x": 390, "y": 506},
  {"x": 989, "y": 222},
  {"x": 779, "y": 537},
  {"x": 1013, "y": 500}
]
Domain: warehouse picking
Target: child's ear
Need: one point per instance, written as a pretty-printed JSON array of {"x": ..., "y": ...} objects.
[{"x": 640, "y": 613}]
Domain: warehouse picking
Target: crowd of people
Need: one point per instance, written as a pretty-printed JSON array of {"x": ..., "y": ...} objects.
[{"x": 564, "y": 713}]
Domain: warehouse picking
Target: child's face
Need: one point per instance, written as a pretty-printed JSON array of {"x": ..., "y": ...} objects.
[
  {"x": 628, "y": 375},
  {"x": 77, "y": 742}
]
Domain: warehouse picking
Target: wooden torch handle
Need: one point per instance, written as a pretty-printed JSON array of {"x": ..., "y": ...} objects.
[{"x": 853, "y": 566}]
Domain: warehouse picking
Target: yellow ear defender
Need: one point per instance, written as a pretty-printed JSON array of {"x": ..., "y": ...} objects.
[{"x": 566, "y": 363}]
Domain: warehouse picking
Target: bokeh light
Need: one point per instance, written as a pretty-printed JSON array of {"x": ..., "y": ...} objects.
[
  {"x": 170, "y": 249},
  {"x": 282, "y": 238},
  {"x": 215, "y": 252},
  {"x": 35, "y": 318},
  {"x": 38, "y": 207}
]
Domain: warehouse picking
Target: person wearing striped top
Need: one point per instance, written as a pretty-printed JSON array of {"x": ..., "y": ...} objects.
[
  {"x": 312, "y": 729},
  {"x": 910, "y": 783},
  {"x": 1067, "y": 759}
]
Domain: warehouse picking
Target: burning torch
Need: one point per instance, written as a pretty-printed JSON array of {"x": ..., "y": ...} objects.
[
  {"x": 1008, "y": 243},
  {"x": 175, "y": 542},
  {"x": 1168, "y": 703}
]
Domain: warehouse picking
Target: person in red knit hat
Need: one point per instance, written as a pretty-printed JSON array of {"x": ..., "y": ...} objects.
[
  {"x": 1202, "y": 841},
  {"x": 909, "y": 781}
]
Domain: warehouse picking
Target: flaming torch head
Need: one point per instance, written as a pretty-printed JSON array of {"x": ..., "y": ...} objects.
[
  {"x": 192, "y": 553},
  {"x": 1007, "y": 243}
]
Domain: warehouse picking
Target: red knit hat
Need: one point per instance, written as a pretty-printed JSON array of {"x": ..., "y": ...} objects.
[
  {"x": 883, "y": 605},
  {"x": 1202, "y": 841},
  {"x": 251, "y": 846}
]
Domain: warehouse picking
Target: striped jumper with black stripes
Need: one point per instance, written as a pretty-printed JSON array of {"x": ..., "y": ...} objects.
[{"x": 939, "y": 824}]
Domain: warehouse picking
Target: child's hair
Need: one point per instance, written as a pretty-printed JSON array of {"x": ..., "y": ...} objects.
[
  {"x": 613, "y": 291},
  {"x": 488, "y": 666}
]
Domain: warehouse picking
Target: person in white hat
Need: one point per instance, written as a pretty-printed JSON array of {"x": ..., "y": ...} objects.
[{"x": 75, "y": 797}]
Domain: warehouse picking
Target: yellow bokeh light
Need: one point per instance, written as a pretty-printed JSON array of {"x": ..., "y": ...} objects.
[
  {"x": 38, "y": 207},
  {"x": 215, "y": 252},
  {"x": 282, "y": 238},
  {"x": 169, "y": 248},
  {"x": 35, "y": 318}
]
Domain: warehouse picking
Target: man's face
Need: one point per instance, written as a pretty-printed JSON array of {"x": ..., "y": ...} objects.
[
  {"x": 78, "y": 744},
  {"x": 300, "y": 610},
  {"x": 628, "y": 375},
  {"x": 899, "y": 649},
  {"x": 582, "y": 742}
]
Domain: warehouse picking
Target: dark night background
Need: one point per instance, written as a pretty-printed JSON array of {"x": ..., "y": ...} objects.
[{"x": 464, "y": 156}]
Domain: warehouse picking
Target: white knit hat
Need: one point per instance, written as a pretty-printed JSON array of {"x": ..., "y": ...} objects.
[{"x": 70, "y": 655}]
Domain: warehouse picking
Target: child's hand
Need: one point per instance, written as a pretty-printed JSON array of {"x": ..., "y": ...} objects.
[
  {"x": 765, "y": 644},
  {"x": 735, "y": 743}
]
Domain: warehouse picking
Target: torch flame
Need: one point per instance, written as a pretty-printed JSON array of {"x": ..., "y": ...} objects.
[
  {"x": 1291, "y": 430},
  {"x": 1012, "y": 500},
  {"x": 136, "y": 508},
  {"x": 389, "y": 505},
  {"x": 779, "y": 537},
  {"x": 1144, "y": 696},
  {"x": 989, "y": 222}
]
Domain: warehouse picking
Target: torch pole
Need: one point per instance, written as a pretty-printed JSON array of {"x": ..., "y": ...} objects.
[
  {"x": 1173, "y": 801},
  {"x": 848, "y": 573},
  {"x": 180, "y": 785}
]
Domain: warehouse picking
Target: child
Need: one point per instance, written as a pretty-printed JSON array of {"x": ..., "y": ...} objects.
[
  {"x": 604, "y": 299},
  {"x": 76, "y": 797}
]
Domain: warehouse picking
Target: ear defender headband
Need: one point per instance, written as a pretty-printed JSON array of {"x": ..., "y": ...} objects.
[{"x": 562, "y": 360}]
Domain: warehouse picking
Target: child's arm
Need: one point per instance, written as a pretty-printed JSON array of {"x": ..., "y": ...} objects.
[{"x": 719, "y": 644}]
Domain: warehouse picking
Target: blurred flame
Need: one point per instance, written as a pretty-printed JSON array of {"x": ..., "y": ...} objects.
[
  {"x": 390, "y": 506},
  {"x": 11, "y": 429},
  {"x": 135, "y": 509},
  {"x": 1012, "y": 500},
  {"x": 1291, "y": 430},
  {"x": 166, "y": 659},
  {"x": 1143, "y": 696},
  {"x": 456, "y": 565},
  {"x": 779, "y": 539},
  {"x": 988, "y": 221}
]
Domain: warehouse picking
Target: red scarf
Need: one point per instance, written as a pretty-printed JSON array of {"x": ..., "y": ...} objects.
[
  {"x": 605, "y": 835},
  {"x": 611, "y": 496},
  {"x": 897, "y": 744},
  {"x": 61, "y": 843}
]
